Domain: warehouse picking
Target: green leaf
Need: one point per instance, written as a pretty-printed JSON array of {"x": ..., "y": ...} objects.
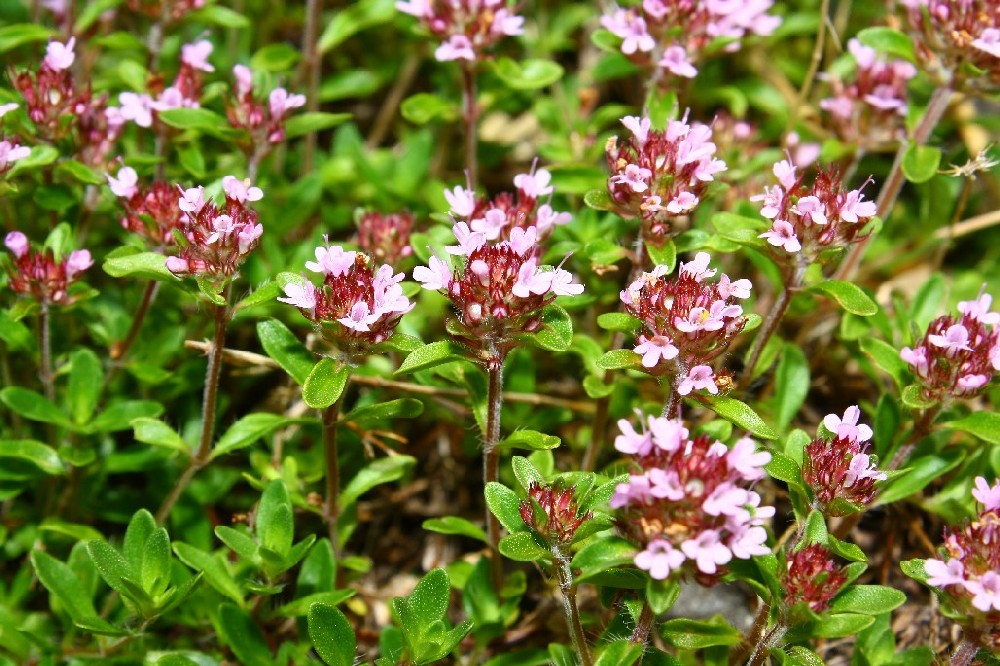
[
  {"x": 984, "y": 425},
  {"x": 266, "y": 293},
  {"x": 155, "y": 569},
  {"x": 531, "y": 440},
  {"x": 40, "y": 455},
  {"x": 868, "y": 600},
  {"x": 601, "y": 554},
  {"x": 522, "y": 547},
  {"x": 325, "y": 383},
  {"x": 739, "y": 413},
  {"x": 302, "y": 605},
  {"x": 120, "y": 415},
  {"x": 915, "y": 569},
  {"x": 40, "y": 156},
  {"x": 618, "y": 321},
  {"x": 140, "y": 527},
  {"x": 619, "y": 653},
  {"x": 422, "y": 108},
  {"x": 287, "y": 351},
  {"x": 431, "y": 355},
  {"x": 146, "y": 265},
  {"x": 662, "y": 595},
  {"x": 32, "y": 405},
  {"x": 530, "y": 74},
  {"x": 401, "y": 408},
  {"x": 381, "y": 471},
  {"x": 239, "y": 631},
  {"x": 275, "y": 524},
  {"x": 833, "y": 625},
  {"x": 315, "y": 121},
  {"x": 885, "y": 357},
  {"x": 556, "y": 333},
  {"x": 696, "y": 635},
  {"x": 848, "y": 295},
  {"x": 505, "y": 505},
  {"x": 599, "y": 200},
  {"x": 913, "y": 397},
  {"x": 18, "y": 34},
  {"x": 663, "y": 255},
  {"x": 525, "y": 472},
  {"x": 214, "y": 569},
  {"x": 429, "y": 600},
  {"x": 595, "y": 387},
  {"x": 889, "y": 41},
  {"x": 791, "y": 385},
  {"x": 331, "y": 634},
  {"x": 784, "y": 468},
  {"x": 158, "y": 433},
  {"x": 78, "y": 172},
  {"x": 354, "y": 18},
  {"x": 63, "y": 583},
  {"x": 815, "y": 530},
  {"x": 238, "y": 542},
  {"x": 457, "y": 526},
  {"x": 221, "y": 16},
  {"x": 117, "y": 573},
  {"x": 918, "y": 475},
  {"x": 248, "y": 430},
  {"x": 920, "y": 163},
  {"x": 620, "y": 359},
  {"x": 194, "y": 118},
  {"x": 211, "y": 291}
]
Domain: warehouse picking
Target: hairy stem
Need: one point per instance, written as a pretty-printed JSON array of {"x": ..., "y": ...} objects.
[
  {"x": 673, "y": 402},
  {"x": 964, "y": 653},
  {"x": 641, "y": 632},
  {"x": 773, "y": 318},
  {"x": 752, "y": 636},
  {"x": 208, "y": 405},
  {"x": 894, "y": 183},
  {"x": 331, "y": 509},
  {"x": 565, "y": 575},
  {"x": 491, "y": 468},
  {"x": 313, "y": 63},
  {"x": 471, "y": 113},
  {"x": 921, "y": 428},
  {"x": 45, "y": 373},
  {"x": 121, "y": 348},
  {"x": 766, "y": 643}
]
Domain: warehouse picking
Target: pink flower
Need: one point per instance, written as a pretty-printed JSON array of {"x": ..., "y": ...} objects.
[
  {"x": 11, "y": 152},
  {"x": 986, "y": 495},
  {"x": 972, "y": 382},
  {"x": 675, "y": 60},
  {"x": 280, "y": 102},
  {"x": 546, "y": 218},
  {"x": 360, "y": 318},
  {"x": 745, "y": 459},
  {"x": 634, "y": 491},
  {"x": 863, "y": 55},
  {"x": 468, "y": 240},
  {"x": 418, "y": 8},
  {"x": 6, "y": 108},
  {"x": 682, "y": 203},
  {"x": 782, "y": 234},
  {"x": 944, "y": 574},
  {"x": 192, "y": 200},
  {"x": 784, "y": 171},
  {"x": 638, "y": 126},
  {"x": 248, "y": 235},
  {"x": 707, "y": 551},
  {"x": 490, "y": 224},
  {"x": 861, "y": 468},
  {"x": 772, "y": 199},
  {"x": 699, "y": 377},
  {"x": 988, "y": 41},
  {"x": 531, "y": 281},
  {"x": 635, "y": 177},
  {"x": 17, "y": 243},
  {"x": 244, "y": 80},
  {"x": 196, "y": 55},
  {"x": 171, "y": 98},
  {"x": 955, "y": 339},
  {"x": 668, "y": 434},
  {"x": 534, "y": 185},
  {"x": 461, "y": 200},
  {"x": 727, "y": 499},
  {"x": 632, "y": 29},
  {"x": 241, "y": 190},
  {"x": 698, "y": 267},
  {"x": 654, "y": 349},
  {"x": 436, "y": 276},
  {"x": 78, "y": 261},
  {"x": 563, "y": 285},
  {"x": 985, "y": 591},
  {"x": 979, "y": 310},
  {"x": 332, "y": 261},
  {"x": 458, "y": 47},
  {"x": 125, "y": 184},
  {"x": 507, "y": 23},
  {"x": 665, "y": 484},
  {"x": 300, "y": 295},
  {"x": 59, "y": 56},
  {"x": 915, "y": 357},
  {"x": 659, "y": 559},
  {"x": 523, "y": 240},
  {"x": 854, "y": 208},
  {"x": 738, "y": 289},
  {"x": 176, "y": 265},
  {"x": 847, "y": 427},
  {"x": 812, "y": 208},
  {"x": 632, "y": 442},
  {"x": 137, "y": 108}
]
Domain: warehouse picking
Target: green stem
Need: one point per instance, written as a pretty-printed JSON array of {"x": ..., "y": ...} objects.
[
  {"x": 331, "y": 509},
  {"x": 565, "y": 575},
  {"x": 774, "y": 317},
  {"x": 921, "y": 428},
  {"x": 208, "y": 408},
  {"x": 45, "y": 373},
  {"x": 641, "y": 632},
  {"x": 471, "y": 113},
  {"x": 491, "y": 467},
  {"x": 313, "y": 62}
]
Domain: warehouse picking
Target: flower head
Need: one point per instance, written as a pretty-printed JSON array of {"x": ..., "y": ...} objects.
[
  {"x": 839, "y": 471},
  {"x": 467, "y": 29},
  {"x": 41, "y": 275}
]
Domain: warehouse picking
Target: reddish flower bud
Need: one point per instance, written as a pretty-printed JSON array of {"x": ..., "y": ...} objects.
[{"x": 813, "y": 577}]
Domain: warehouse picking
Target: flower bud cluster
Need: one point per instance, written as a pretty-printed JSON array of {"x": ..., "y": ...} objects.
[
  {"x": 661, "y": 175},
  {"x": 813, "y": 577},
  {"x": 969, "y": 573},
  {"x": 957, "y": 358},
  {"x": 356, "y": 306},
  {"x": 157, "y": 9},
  {"x": 807, "y": 221},
  {"x": 185, "y": 92},
  {"x": 466, "y": 28},
  {"x": 500, "y": 291},
  {"x": 386, "y": 236},
  {"x": 40, "y": 275},
  {"x": 553, "y": 513},
  {"x": 497, "y": 218},
  {"x": 674, "y": 34},
  {"x": 957, "y": 41},
  {"x": 217, "y": 240},
  {"x": 869, "y": 109},
  {"x": 687, "y": 321},
  {"x": 150, "y": 211},
  {"x": 51, "y": 97},
  {"x": 838, "y": 470},
  {"x": 690, "y": 507},
  {"x": 265, "y": 124}
]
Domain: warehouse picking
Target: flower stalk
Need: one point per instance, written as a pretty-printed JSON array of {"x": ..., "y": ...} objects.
[
  {"x": 491, "y": 467},
  {"x": 773, "y": 318},
  {"x": 565, "y": 576},
  {"x": 331, "y": 509},
  {"x": 471, "y": 115}
]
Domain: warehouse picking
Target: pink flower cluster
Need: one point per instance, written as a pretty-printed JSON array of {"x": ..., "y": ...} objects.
[
  {"x": 466, "y": 28},
  {"x": 957, "y": 358},
  {"x": 356, "y": 306},
  {"x": 661, "y": 175},
  {"x": 869, "y": 109},
  {"x": 150, "y": 211},
  {"x": 265, "y": 124},
  {"x": 687, "y": 321},
  {"x": 172, "y": 9},
  {"x": 217, "y": 240},
  {"x": 690, "y": 507},
  {"x": 837, "y": 469},
  {"x": 957, "y": 41},
  {"x": 674, "y": 35},
  {"x": 812, "y": 577},
  {"x": 386, "y": 236},
  {"x": 806, "y": 220},
  {"x": 969, "y": 577},
  {"x": 141, "y": 108},
  {"x": 500, "y": 291},
  {"x": 40, "y": 275},
  {"x": 496, "y": 218}
]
